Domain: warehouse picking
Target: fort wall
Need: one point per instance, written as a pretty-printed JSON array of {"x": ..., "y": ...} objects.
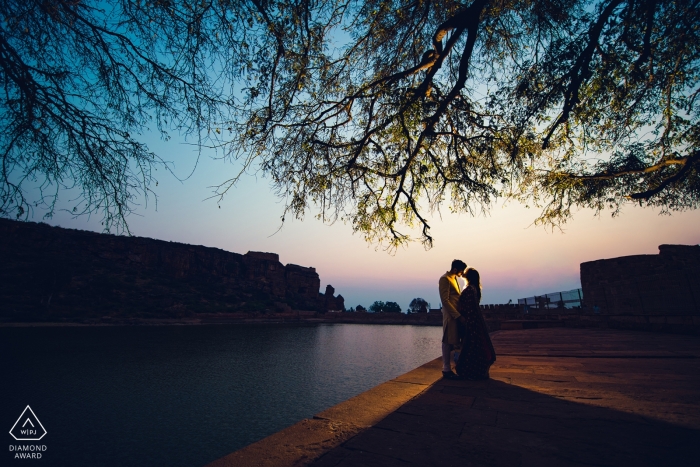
[
  {"x": 52, "y": 273},
  {"x": 650, "y": 292},
  {"x": 667, "y": 283}
]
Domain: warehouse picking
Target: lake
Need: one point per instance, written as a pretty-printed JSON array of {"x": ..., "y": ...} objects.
[{"x": 187, "y": 395}]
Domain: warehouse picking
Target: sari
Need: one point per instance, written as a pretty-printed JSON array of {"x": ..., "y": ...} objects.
[{"x": 477, "y": 352}]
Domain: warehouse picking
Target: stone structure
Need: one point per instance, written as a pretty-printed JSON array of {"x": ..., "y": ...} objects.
[
  {"x": 51, "y": 273},
  {"x": 659, "y": 292},
  {"x": 667, "y": 283},
  {"x": 332, "y": 303}
]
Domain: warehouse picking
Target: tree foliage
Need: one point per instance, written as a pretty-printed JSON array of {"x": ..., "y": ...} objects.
[
  {"x": 375, "y": 112},
  {"x": 81, "y": 80},
  {"x": 418, "y": 305},
  {"x": 385, "y": 307}
]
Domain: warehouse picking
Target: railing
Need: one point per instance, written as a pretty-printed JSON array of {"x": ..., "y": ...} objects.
[{"x": 565, "y": 299}]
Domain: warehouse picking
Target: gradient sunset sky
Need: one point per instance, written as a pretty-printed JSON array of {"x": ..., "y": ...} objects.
[{"x": 515, "y": 258}]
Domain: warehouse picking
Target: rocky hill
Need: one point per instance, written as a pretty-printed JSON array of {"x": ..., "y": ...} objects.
[{"x": 56, "y": 274}]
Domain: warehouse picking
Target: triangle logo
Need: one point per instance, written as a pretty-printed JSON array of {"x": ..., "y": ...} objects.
[{"x": 28, "y": 427}]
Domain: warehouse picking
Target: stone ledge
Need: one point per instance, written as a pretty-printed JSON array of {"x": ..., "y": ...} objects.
[
  {"x": 515, "y": 324},
  {"x": 549, "y": 411},
  {"x": 296, "y": 445},
  {"x": 305, "y": 441}
]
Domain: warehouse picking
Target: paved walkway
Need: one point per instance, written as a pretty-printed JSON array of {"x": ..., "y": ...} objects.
[{"x": 557, "y": 397}]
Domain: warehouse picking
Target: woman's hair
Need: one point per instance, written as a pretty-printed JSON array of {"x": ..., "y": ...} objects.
[{"x": 472, "y": 276}]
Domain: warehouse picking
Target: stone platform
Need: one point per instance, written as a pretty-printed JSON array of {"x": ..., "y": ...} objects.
[{"x": 557, "y": 397}]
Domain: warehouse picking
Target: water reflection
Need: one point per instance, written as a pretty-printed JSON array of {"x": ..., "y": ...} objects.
[{"x": 186, "y": 395}]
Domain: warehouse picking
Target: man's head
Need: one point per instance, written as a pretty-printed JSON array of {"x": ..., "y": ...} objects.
[{"x": 458, "y": 267}]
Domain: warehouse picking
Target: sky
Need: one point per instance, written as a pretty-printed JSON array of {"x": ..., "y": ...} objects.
[{"x": 515, "y": 258}]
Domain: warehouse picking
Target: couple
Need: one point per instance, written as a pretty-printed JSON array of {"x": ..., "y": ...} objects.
[{"x": 463, "y": 325}]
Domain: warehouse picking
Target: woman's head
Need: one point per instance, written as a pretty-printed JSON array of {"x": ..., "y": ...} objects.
[
  {"x": 472, "y": 276},
  {"x": 473, "y": 279}
]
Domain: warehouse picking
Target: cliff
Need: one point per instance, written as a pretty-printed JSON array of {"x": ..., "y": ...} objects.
[{"x": 55, "y": 274}]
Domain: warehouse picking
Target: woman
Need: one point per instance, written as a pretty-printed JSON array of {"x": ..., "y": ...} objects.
[{"x": 477, "y": 352}]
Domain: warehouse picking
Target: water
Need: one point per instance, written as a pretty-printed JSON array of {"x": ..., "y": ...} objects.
[{"x": 186, "y": 395}]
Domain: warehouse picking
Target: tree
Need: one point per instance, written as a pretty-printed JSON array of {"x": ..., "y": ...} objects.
[
  {"x": 560, "y": 103},
  {"x": 81, "y": 80},
  {"x": 418, "y": 305},
  {"x": 360, "y": 309},
  {"x": 385, "y": 307},
  {"x": 391, "y": 307},
  {"x": 374, "y": 112}
]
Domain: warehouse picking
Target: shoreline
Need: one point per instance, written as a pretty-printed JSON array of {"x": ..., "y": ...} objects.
[
  {"x": 310, "y": 438},
  {"x": 433, "y": 319},
  {"x": 562, "y": 402},
  {"x": 497, "y": 319}
]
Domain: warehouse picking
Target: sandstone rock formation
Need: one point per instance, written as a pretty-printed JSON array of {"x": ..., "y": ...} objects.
[
  {"x": 332, "y": 303},
  {"x": 53, "y": 274}
]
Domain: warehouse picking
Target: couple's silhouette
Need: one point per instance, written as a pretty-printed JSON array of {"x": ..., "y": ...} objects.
[{"x": 463, "y": 325}]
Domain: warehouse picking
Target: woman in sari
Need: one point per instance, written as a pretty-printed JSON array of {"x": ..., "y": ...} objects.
[{"x": 477, "y": 352}]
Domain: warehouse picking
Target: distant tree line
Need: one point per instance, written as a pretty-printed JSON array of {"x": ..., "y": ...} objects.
[
  {"x": 385, "y": 307},
  {"x": 417, "y": 305},
  {"x": 378, "y": 307}
]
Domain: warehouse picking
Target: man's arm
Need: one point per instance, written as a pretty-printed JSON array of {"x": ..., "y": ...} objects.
[{"x": 445, "y": 286}]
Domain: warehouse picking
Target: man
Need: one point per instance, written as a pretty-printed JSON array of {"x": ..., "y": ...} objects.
[{"x": 449, "y": 295}]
